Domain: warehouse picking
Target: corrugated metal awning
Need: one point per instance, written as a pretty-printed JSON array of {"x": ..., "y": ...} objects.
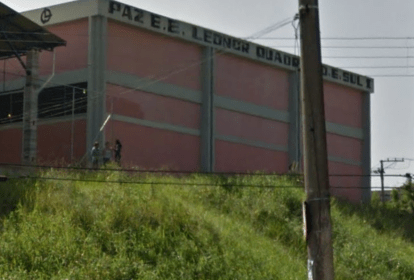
[{"x": 18, "y": 34}]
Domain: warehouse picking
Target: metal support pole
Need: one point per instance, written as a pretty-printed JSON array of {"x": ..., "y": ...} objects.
[
  {"x": 319, "y": 235},
  {"x": 409, "y": 180},
  {"x": 30, "y": 103},
  {"x": 207, "y": 125},
  {"x": 381, "y": 171}
]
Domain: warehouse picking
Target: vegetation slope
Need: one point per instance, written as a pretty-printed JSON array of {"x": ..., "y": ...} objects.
[{"x": 146, "y": 226}]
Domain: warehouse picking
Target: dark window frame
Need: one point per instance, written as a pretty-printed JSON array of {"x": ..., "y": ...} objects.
[
  {"x": 53, "y": 102},
  {"x": 57, "y": 102}
]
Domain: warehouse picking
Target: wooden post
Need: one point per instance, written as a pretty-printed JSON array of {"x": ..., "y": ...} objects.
[{"x": 319, "y": 235}]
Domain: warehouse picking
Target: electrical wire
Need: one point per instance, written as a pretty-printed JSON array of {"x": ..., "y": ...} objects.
[
  {"x": 344, "y": 38},
  {"x": 351, "y": 47},
  {"x": 276, "y": 186},
  {"x": 270, "y": 28},
  {"x": 296, "y": 29},
  {"x": 133, "y": 170},
  {"x": 52, "y": 108},
  {"x": 391, "y": 76},
  {"x": 378, "y": 67},
  {"x": 264, "y": 38},
  {"x": 367, "y": 57},
  {"x": 149, "y": 183}
]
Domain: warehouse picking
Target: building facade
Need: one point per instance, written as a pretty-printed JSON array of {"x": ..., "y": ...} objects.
[{"x": 181, "y": 97}]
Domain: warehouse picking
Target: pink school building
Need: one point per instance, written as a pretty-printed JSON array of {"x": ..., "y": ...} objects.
[{"x": 180, "y": 96}]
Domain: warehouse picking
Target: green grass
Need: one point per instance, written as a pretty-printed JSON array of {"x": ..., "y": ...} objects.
[{"x": 84, "y": 230}]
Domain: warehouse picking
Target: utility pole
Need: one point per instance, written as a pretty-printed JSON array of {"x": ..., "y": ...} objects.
[
  {"x": 409, "y": 179},
  {"x": 381, "y": 171},
  {"x": 317, "y": 205}
]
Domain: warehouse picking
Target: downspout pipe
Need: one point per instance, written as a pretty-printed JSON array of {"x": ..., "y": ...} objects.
[{"x": 51, "y": 76}]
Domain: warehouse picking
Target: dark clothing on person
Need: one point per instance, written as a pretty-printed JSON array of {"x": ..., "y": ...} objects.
[{"x": 118, "y": 148}]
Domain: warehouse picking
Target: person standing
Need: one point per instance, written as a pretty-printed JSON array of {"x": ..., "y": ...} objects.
[
  {"x": 95, "y": 153},
  {"x": 107, "y": 153},
  {"x": 118, "y": 148}
]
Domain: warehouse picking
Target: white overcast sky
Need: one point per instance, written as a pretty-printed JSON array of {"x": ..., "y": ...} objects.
[{"x": 392, "y": 132}]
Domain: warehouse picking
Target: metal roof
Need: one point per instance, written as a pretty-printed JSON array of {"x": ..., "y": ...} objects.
[{"x": 18, "y": 34}]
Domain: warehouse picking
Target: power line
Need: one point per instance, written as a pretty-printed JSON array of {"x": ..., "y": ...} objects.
[
  {"x": 379, "y": 67},
  {"x": 133, "y": 170},
  {"x": 367, "y": 57},
  {"x": 354, "y": 47},
  {"x": 391, "y": 76},
  {"x": 149, "y": 183},
  {"x": 261, "y": 38},
  {"x": 176, "y": 183},
  {"x": 270, "y": 28},
  {"x": 342, "y": 38}
]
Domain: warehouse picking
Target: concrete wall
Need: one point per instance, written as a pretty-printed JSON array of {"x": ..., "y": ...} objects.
[
  {"x": 152, "y": 107},
  {"x": 10, "y": 70},
  {"x": 155, "y": 131},
  {"x": 72, "y": 57},
  {"x": 153, "y": 93},
  {"x": 344, "y": 108},
  {"x": 150, "y": 55},
  {"x": 54, "y": 141},
  {"x": 251, "y": 82},
  {"x": 250, "y": 129},
  {"x": 55, "y": 138},
  {"x": 346, "y": 187},
  {"x": 10, "y": 143},
  {"x": 153, "y": 148}
]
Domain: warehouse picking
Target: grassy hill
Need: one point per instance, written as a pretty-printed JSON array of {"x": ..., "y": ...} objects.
[{"x": 164, "y": 227}]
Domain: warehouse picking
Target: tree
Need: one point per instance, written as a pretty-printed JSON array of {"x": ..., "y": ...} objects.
[{"x": 403, "y": 197}]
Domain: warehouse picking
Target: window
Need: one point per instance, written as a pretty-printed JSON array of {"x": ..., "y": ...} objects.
[
  {"x": 52, "y": 102},
  {"x": 11, "y": 107},
  {"x": 58, "y": 101}
]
